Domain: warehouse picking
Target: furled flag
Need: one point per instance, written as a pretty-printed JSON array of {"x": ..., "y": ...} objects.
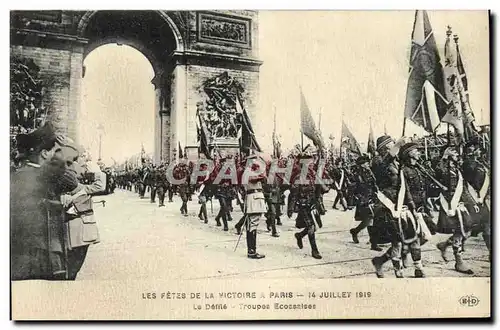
[
  {"x": 425, "y": 98},
  {"x": 370, "y": 149},
  {"x": 455, "y": 111},
  {"x": 276, "y": 142},
  {"x": 463, "y": 88},
  {"x": 348, "y": 141},
  {"x": 181, "y": 154},
  {"x": 203, "y": 137},
  {"x": 307, "y": 126},
  {"x": 246, "y": 135},
  {"x": 143, "y": 154}
]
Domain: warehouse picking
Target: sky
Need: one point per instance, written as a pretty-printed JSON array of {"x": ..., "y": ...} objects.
[{"x": 351, "y": 65}]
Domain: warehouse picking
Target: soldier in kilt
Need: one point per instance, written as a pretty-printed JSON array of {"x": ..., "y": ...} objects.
[
  {"x": 303, "y": 200},
  {"x": 456, "y": 209},
  {"x": 477, "y": 176},
  {"x": 364, "y": 196}
]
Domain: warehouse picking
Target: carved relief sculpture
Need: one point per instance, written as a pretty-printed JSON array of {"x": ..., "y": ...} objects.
[
  {"x": 220, "y": 113},
  {"x": 222, "y": 29}
]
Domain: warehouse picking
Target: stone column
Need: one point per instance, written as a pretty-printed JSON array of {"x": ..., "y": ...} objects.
[{"x": 75, "y": 84}]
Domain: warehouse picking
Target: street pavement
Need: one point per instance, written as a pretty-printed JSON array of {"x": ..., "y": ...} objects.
[{"x": 141, "y": 241}]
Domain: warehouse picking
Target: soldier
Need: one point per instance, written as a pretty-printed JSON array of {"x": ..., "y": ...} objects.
[
  {"x": 272, "y": 195},
  {"x": 477, "y": 175},
  {"x": 255, "y": 207},
  {"x": 150, "y": 182},
  {"x": 223, "y": 193},
  {"x": 416, "y": 185},
  {"x": 454, "y": 214},
  {"x": 340, "y": 184},
  {"x": 303, "y": 200},
  {"x": 365, "y": 196},
  {"x": 160, "y": 184},
  {"x": 183, "y": 188},
  {"x": 388, "y": 207}
]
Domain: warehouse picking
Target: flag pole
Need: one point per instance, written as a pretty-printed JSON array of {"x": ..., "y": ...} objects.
[{"x": 404, "y": 126}]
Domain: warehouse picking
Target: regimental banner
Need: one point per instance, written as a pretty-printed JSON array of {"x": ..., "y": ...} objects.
[{"x": 224, "y": 29}]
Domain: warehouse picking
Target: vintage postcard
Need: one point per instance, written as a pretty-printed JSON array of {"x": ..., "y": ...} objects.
[{"x": 249, "y": 165}]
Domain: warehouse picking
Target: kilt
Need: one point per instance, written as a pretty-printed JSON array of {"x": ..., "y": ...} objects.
[
  {"x": 384, "y": 227},
  {"x": 304, "y": 218},
  {"x": 448, "y": 225},
  {"x": 363, "y": 213}
]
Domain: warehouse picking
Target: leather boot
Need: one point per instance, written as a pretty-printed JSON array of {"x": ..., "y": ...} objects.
[
  {"x": 354, "y": 235},
  {"x": 378, "y": 263},
  {"x": 373, "y": 239},
  {"x": 298, "y": 237},
  {"x": 224, "y": 221},
  {"x": 252, "y": 247},
  {"x": 443, "y": 246},
  {"x": 460, "y": 266},
  {"x": 397, "y": 268},
  {"x": 315, "y": 253},
  {"x": 274, "y": 233}
]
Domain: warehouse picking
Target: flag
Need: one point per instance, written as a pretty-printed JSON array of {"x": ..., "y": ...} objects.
[
  {"x": 425, "y": 97},
  {"x": 246, "y": 134},
  {"x": 470, "y": 127},
  {"x": 307, "y": 126},
  {"x": 454, "y": 114},
  {"x": 276, "y": 142},
  {"x": 143, "y": 154},
  {"x": 348, "y": 141},
  {"x": 203, "y": 137},
  {"x": 181, "y": 154},
  {"x": 371, "y": 148}
]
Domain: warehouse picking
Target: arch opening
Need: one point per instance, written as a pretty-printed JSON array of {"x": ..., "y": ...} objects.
[{"x": 118, "y": 105}]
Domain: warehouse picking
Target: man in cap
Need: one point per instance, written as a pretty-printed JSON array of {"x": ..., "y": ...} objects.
[
  {"x": 385, "y": 162},
  {"x": 364, "y": 197},
  {"x": 36, "y": 251}
]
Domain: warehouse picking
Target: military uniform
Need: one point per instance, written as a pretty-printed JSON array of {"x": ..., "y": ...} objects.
[
  {"x": 340, "y": 185},
  {"x": 364, "y": 199},
  {"x": 304, "y": 200},
  {"x": 161, "y": 185},
  {"x": 272, "y": 194},
  {"x": 255, "y": 207},
  {"x": 455, "y": 217}
]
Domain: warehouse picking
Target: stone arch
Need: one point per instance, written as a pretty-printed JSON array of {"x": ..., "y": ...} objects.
[{"x": 180, "y": 45}]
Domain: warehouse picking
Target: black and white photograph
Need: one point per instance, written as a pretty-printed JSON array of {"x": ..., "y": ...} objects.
[{"x": 249, "y": 164}]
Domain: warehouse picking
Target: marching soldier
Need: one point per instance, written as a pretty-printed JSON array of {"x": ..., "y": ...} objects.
[
  {"x": 454, "y": 215},
  {"x": 340, "y": 184},
  {"x": 255, "y": 207},
  {"x": 390, "y": 207},
  {"x": 477, "y": 176},
  {"x": 303, "y": 200},
  {"x": 160, "y": 184},
  {"x": 364, "y": 197},
  {"x": 272, "y": 195},
  {"x": 150, "y": 181}
]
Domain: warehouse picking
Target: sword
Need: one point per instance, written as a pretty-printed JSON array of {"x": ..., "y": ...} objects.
[{"x": 242, "y": 226}]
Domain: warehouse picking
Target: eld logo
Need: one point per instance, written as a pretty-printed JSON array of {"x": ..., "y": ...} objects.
[{"x": 469, "y": 301}]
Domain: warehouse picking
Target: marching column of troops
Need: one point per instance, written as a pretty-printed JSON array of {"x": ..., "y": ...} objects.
[{"x": 395, "y": 194}]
